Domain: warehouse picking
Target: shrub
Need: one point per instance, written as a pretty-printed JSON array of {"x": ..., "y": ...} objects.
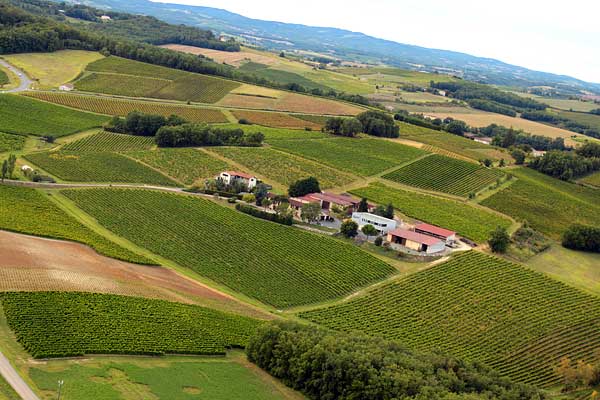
[
  {"x": 280, "y": 219},
  {"x": 499, "y": 240},
  {"x": 244, "y": 121},
  {"x": 582, "y": 237},
  {"x": 378, "y": 241},
  {"x": 349, "y": 229},
  {"x": 249, "y": 198}
]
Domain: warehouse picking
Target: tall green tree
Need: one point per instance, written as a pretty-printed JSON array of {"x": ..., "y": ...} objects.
[
  {"x": 349, "y": 229},
  {"x": 310, "y": 212},
  {"x": 499, "y": 240},
  {"x": 304, "y": 187},
  {"x": 12, "y": 161},
  {"x": 369, "y": 230},
  {"x": 4, "y": 170}
]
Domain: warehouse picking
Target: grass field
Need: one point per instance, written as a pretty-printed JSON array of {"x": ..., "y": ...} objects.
[
  {"x": 97, "y": 167},
  {"x": 396, "y": 75},
  {"x": 548, "y": 204},
  {"x": 593, "y": 179},
  {"x": 7, "y": 392},
  {"x": 479, "y": 307},
  {"x": 122, "y": 107},
  {"x": 110, "y": 142},
  {"x": 10, "y": 142},
  {"x": 185, "y": 165},
  {"x": 283, "y": 168},
  {"x": 42, "y": 118},
  {"x": 444, "y": 174},
  {"x": 591, "y": 120},
  {"x": 58, "y": 324},
  {"x": 473, "y": 223},
  {"x": 221, "y": 244},
  {"x": 3, "y": 78},
  {"x": 275, "y": 120},
  {"x": 563, "y": 104},
  {"x": 30, "y": 211},
  {"x": 175, "y": 378},
  {"x": 363, "y": 156},
  {"x": 51, "y": 70}
]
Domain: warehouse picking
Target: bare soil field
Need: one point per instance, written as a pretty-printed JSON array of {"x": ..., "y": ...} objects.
[
  {"x": 232, "y": 58},
  {"x": 29, "y": 263}
]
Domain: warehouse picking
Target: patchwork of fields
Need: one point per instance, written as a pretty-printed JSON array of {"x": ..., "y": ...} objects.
[{"x": 479, "y": 307}]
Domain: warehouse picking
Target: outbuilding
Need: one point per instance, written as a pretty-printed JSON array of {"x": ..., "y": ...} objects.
[
  {"x": 382, "y": 224},
  {"x": 446, "y": 235},
  {"x": 400, "y": 239}
]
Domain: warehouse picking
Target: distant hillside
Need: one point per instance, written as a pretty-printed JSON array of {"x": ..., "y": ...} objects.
[{"x": 349, "y": 45}]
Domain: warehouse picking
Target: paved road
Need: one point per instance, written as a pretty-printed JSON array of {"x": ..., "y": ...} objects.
[
  {"x": 25, "y": 82},
  {"x": 14, "y": 380}
]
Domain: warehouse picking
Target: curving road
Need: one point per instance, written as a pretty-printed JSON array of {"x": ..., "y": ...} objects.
[
  {"x": 24, "y": 81},
  {"x": 15, "y": 380}
]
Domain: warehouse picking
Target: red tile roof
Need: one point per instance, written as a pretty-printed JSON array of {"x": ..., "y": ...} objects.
[
  {"x": 435, "y": 230},
  {"x": 240, "y": 174},
  {"x": 415, "y": 237}
]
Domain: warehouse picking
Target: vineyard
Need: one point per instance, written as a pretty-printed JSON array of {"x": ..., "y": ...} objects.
[
  {"x": 96, "y": 167},
  {"x": 272, "y": 134},
  {"x": 28, "y": 211},
  {"x": 118, "y": 65},
  {"x": 276, "y": 264},
  {"x": 10, "y": 142},
  {"x": 284, "y": 168},
  {"x": 548, "y": 204},
  {"x": 122, "y": 107},
  {"x": 447, "y": 175},
  {"x": 107, "y": 142},
  {"x": 473, "y": 223},
  {"x": 275, "y": 120},
  {"x": 42, "y": 118},
  {"x": 198, "y": 88},
  {"x": 480, "y": 307},
  {"x": 185, "y": 165},
  {"x": 124, "y": 85},
  {"x": 55, "y": 324},
  {"x": 364, "y": 156}
]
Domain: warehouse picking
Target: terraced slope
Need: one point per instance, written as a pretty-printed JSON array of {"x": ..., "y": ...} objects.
[
  {"x": 59, "y": 324},
  {"x": 479, "y": 307},
  {"x": 548, "y": 204},
  {"x": 445, "y": 174},
  {"x": 473, "y": 223},
  {"x": 29, "y": 211},
  {"x": 109, "y": 142},
  {"x": 260, "y": 259}
]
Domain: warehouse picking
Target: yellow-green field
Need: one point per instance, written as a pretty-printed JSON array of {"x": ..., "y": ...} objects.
[
  {"x": 563, "y": 104},
  {"x": 50, "y": 70}
]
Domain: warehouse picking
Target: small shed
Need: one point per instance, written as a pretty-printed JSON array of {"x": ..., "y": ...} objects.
[{"x": 404, "y": 239}]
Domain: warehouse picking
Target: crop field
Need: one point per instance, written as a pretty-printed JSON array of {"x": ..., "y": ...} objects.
[
  {"x": 122, "y": 107},
  {"x": 124, "y": 85},
  {"x": 109, "y": 142},
  {"x": 445, "y": 174},
  {"x": 282, "y": 167},
  {"x": 291, "y": 102},
  {"x": 473, "y": 223},
  {"x": 53, "y": 69},
  {"x": 562, "y": 104},
  {"x": 591, "y": 120},
  {"x": 55, "y": 324},
  {"x": 173, "y": 378},
  {"x": 396, "y": 74},
  {"x": 275, "y": 120},
  {"x": 185, "y": 165},
  {"x": 198, "y": 88},
  {"x": 481, "y": 307},
  {"x": 359, "y": 156},
  {"x": 42, "y": 118},
  {"x": 286, "y": 77},
  {"x": 548, "y": 204},
  {"x": 220, "y": 243},
  {"x": 96, "y": 167},
  {"x": 593, "y": 179},
  {"x": 28, "y": 211},
  {"x": 273, "y": 134},
  {"x": 10, "y": 142},
  {"x": 236, "y": 58},
  {"x": 117, "y": 65}
]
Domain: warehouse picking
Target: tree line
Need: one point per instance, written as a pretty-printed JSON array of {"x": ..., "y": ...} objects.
[
  {"x": 562, "y": 122},
  {"x": 374, "y": 123},
  {"x": 567, "y": 165}
]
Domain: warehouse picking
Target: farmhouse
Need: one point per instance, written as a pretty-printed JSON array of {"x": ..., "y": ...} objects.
[
  {"x": 400, "y": 239},
  {"x": 327, "y": 201},
  {"x": 229, "y": 177},
  {"x": 383, "y": 225},
  {"x": 67, "y": 87},
  {"x": 446, "y": 235}
]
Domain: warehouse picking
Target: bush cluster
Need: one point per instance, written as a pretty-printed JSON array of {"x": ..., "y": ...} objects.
[{"x": 280, "y": 219}]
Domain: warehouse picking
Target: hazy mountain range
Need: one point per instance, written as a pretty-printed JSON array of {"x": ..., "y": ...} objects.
[{"x": 347, "y": 45}]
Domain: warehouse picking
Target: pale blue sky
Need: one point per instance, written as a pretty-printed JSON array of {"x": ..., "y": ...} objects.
[{"x": 559, "y": 36}]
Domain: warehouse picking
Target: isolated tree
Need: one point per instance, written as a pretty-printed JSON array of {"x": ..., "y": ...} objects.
[
  {"x": 363, "y": 206},
  {"x": 4, "y": 170},
  {"x": 369, "y": 230},
  {"x": 12, "y": 160},
  {"x": 349, "y": 229},
  {"x": 499, "y": 240},
  {"x": 518, "y": 155},
  {"x": 310, "y": 212},
  {"x": 378, "y": 241},
  {"x": 304, "y": 187},
  {"x": 389, "y": 211},
  {"x": 502, "y": 163},
  {"x": 260, "y": 192}
]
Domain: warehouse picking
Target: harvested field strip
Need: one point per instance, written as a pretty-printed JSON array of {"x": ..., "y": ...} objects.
[
  {"x": 219, "y": 243},
  {"x": 275, "y": 120},
  {"x": 473, "y": 223},
  {"x": 107, "y": 142},
  {"x": 54, "y": 324},
  {"x": 479, "y": 307},
  {"x": 122, "y": 107},
  {"x": 28, "y": 211}
]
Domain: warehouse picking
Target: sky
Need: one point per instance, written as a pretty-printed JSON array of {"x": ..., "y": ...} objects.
[{"x": 559, "y": 36}]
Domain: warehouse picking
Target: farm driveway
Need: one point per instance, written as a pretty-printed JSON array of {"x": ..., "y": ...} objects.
[
  {"x": 15, "y": 380},
  {"x": 24, "y": 81}
]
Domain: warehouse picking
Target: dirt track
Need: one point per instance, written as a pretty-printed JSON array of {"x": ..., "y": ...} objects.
[{"x": 35, "y": 264}]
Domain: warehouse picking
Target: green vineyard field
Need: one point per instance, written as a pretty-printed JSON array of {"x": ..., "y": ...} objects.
[
  {"x": 42, "y": 118},
  {"x": 477, "y": 306},
  {"x": 10, "y": 142},
  {"x": 279, "y": 265},
  {"x": 109, "y": 142},
  {"x": 468, "y": 221},
  {"x": 185, "y": 165},
  {"x": 118, "y": 65},
  {"x": 272, "y": 134},
  {"x": 548, "y": 204},
  {"x": 283, "y": 168},
  {"x": 364, "y": 156},
  {"x": 28, "y": 211},
  {"x": 445, "y": 174},
  {"x": 59, "y": 324},
  {"x": 97, "y": 167},
  {"x": 122, "y": 107},
  {"x": 123, "y": 85},
  {"x": 198, "y": 88}
]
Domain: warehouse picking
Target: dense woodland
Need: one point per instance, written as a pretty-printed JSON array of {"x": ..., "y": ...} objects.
[{"x": 567, "y": 165}]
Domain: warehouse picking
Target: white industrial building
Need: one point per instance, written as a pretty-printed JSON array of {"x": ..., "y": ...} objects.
[{"x": 383, "y": 225}]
